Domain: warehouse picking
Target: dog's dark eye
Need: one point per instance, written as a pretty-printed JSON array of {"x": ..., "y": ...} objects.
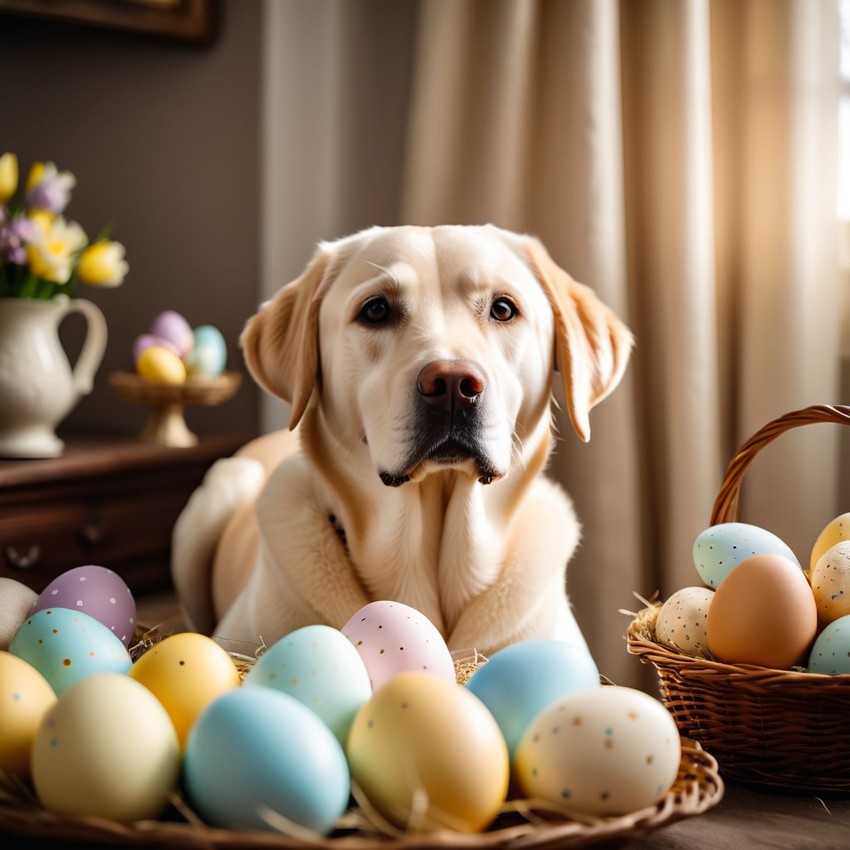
[
  {"x": 503, "y": 309},
  {"x": 376, "y": 311}
]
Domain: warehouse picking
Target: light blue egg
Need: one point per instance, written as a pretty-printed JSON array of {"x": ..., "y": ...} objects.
[
  {"x": 256, "y": 747},
  {"x": 519, "y": 681},
  {"x": 320, "y": 667},
  {"x": 830, "y": 653},
  {"x": 66, "y": 646},
  {"x": 720, "y": 548},
  {"x": 208, "y": 356}
]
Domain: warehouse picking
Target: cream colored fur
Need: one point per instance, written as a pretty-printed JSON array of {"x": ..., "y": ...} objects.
[{"x": 356, "y": 504}]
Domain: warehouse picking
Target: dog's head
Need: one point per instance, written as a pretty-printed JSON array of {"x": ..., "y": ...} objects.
[{"x": 434, "y": 347}]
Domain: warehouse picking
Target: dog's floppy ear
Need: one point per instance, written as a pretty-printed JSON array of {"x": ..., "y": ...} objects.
[
  {"x": 281, "y": 342},
  {"x": 592, "y": 345}
]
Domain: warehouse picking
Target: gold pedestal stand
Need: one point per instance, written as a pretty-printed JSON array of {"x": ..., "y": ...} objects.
[{"x": 166, "y": 424}]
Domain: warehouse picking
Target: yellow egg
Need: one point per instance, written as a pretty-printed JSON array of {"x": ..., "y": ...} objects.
[
  {"x": 106, "y": 748},
  {"x": 763, "y": 613},
  {"x": 836, "y": 531},
  {"x": 186, "y": 672},
  {"x": 157, "y": 365},
  {"x": 830, "y": 581},
  {"x": 25, "y": 696},
  {"x": 428, "y": 755}
]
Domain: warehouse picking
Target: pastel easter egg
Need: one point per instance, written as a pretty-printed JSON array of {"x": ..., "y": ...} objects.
[
  {"x": 682, "y": 621},
  {"x": 830, "y": 580},
  {"x": 160, "y": 366},
  {"x": 318, "y": 666},
  {"x": 831, "y": 651},
  {"x": 519, "y": 681},
  {"x": 393, "y": 638},
  {"x": 186, "y": 672},
  {"x": 208, "y": 355},
  {"x": 605, "y": 751},
  {"x": 66, "y": 646},
  {"x": 25, "y": 697},
  {"x": 97, "y": 591},
  {"x": 106, "y": 748},
  {"x": 426, "y": 748},
  {"x": 254, "y": 750},
  {"x": 150, "y": 341},
  {"x": 173, "y": 327},
  {"x": 16, "y": 601},
  {"x": 720, "y": 548},
  {"x": 836, "y": 531}
]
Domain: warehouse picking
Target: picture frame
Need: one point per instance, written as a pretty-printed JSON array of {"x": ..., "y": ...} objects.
[{"x": 183, "y": 20}]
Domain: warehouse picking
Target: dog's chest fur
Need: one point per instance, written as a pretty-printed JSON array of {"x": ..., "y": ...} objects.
[{"x": 432, "y": 545}]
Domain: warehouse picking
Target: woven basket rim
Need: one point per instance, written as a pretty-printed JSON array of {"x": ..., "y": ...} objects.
[
  {"x": 698, "y": 787},
  {"x": 641, "y": 641}
]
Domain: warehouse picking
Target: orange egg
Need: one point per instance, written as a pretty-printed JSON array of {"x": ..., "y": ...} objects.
[{"x": 763, "y": 613}]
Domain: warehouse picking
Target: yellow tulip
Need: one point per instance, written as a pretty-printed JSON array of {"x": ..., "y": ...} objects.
[
  {"x": 103, "y": 264},
  {"x": 55, "y": 245},
  {"x": 8, "y": 177}
]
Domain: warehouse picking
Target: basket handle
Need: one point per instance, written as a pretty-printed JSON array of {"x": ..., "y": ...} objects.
[{"x": 726, "y": 504}]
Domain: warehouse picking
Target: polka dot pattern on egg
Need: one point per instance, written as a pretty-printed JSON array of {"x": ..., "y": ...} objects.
[{"x": 97, "y": 591}]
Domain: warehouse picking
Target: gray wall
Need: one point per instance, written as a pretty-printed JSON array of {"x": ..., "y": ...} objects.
[{"x": 163, "y": 139}]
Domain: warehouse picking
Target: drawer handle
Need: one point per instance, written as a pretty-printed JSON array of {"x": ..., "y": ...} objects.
[
  {"x": 92, "y": 534},
  {"x": 22, "y": 560}
]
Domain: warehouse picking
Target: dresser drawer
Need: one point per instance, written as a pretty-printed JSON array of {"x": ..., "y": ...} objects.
[{"x": 113, "y": 505}]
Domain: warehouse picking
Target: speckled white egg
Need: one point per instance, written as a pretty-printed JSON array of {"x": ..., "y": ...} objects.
[
  {"x": 720, "y": 548},
  {"x": 830, "y": 580},
  {"x": 393, "y": 638},
  {"x": 681, "y": 622},
  {"x": 603, "y": 751},
  {"x": 16, "y": 600},
  {"x": 830, "y": 652},
  {"x": 835, "y": 531}
]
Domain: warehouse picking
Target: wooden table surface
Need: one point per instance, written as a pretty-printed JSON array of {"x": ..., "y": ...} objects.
[{"x": 752, "y": 819}]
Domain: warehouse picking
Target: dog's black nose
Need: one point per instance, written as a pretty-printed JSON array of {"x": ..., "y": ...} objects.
[{"x": 451, "y": 384}]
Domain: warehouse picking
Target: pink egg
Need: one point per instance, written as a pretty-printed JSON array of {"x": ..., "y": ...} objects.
[
  {"x": 96, "y": 591},
  {"x": 171, "y": 326},
  {"x": 393, "y": 638},
  {"x": 151, "y": 341}
]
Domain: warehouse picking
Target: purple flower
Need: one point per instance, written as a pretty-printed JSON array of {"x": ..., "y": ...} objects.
[
  {"x": 14, "y": 234},
  {"x": 48, "y": 189}
]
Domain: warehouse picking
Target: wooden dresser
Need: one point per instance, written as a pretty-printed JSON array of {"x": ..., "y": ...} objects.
[{"x": 110, "y": 502}]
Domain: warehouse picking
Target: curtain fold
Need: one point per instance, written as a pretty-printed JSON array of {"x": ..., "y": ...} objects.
[{"x": 678, "y": 156}]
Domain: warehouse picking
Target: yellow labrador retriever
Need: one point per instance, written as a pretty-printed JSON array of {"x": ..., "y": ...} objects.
[{"x": 418, "y": 365}]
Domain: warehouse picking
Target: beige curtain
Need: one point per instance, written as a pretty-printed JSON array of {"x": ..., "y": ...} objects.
[{"x": 676, "y": 155}]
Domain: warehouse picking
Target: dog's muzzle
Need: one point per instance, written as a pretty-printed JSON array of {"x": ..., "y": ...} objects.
[{"x": 448, "y": 426}]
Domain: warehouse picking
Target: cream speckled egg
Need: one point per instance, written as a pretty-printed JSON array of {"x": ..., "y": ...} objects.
[
  {"x": 830, "y": 580},
  {"x": 16, "y": 600},
  {"x": 106, "y": 748},
  {"x": 601, "y": 751},
  {"x": 834, "y": 532},
  {"x": 681, "y": 622}
]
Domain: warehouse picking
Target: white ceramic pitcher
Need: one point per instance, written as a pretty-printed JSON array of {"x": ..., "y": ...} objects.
[{"x": 38, "y": 386}]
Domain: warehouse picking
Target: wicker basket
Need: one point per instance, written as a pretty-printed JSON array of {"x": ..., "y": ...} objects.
[
  {"x": 772, "y": 727},
  {"x": 697, "y": 788}
]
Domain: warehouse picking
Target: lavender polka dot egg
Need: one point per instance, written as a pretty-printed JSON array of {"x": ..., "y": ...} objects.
[{"x": 96, "y": 591}]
